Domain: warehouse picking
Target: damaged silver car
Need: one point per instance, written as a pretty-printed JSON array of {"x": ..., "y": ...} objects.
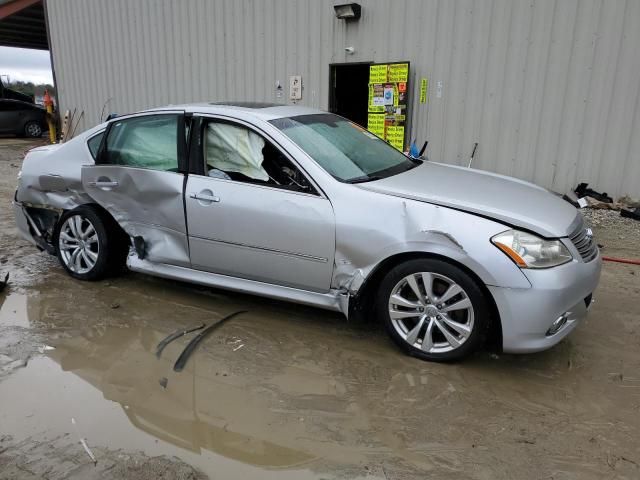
[{"x": 297, "y": 204}]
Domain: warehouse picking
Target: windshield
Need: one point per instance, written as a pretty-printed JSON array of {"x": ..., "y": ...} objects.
[{"x": 347, "y": 151}]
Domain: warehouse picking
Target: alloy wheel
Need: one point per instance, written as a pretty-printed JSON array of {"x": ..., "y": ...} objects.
[
  {"x": 431, "y": 312},
  {"x": 79, "y": 245},
  {"x": 34, "y": 130}
]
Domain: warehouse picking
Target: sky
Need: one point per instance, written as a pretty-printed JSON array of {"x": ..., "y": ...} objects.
[{"x": 25, "y": 65}]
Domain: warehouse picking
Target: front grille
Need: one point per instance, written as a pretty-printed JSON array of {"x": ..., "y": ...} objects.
[{"x": 582, "y": 239}]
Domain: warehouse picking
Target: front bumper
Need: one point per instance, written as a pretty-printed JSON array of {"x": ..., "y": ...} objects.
[{"x": 528, "y": 313}]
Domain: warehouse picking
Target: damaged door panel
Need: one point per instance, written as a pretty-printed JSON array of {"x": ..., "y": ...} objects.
[
  {"x": 138, "y": 179},
  {"x": 146, "y": 204}
]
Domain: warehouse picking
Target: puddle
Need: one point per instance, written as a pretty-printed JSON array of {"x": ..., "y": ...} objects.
[
  {"x": 221, "y": 415},
  {"x": 287, "y": 392},
  {"x": 13, "y": 311},
  {"x": 143, "y": 424}
]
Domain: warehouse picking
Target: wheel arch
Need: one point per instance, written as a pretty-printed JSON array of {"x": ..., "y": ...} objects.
[
  {"x": 361, "y": 303},
  {"x": 113, "y": 242},
  {"x": 103, "y": 212}
]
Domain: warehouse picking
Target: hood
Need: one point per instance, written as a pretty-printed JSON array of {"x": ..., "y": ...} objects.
[{"x": 509, "y": 200}]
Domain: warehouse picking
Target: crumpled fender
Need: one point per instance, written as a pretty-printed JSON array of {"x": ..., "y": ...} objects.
[{"x": 409, "y": 226}]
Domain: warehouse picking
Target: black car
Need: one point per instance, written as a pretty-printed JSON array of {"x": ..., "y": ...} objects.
[{"x": 22, "y": 118}]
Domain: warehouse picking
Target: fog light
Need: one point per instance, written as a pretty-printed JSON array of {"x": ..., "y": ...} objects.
[{"x": 557, "y": 324}]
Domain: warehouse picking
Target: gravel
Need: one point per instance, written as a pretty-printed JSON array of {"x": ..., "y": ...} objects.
[
  {"x": 618, "y": 234},
  {"x": 611, "y": 219}
]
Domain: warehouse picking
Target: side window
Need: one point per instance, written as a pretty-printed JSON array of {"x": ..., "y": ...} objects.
[
  {"x": 144, "y": 142},
  {"x": 234, "y": 152},
  {"x": 94, "y": 144}
]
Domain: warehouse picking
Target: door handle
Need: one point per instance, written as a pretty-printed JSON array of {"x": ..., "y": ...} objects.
[
  {"x": 103, "y": 184},
  {"x": 205, "y": 197}
]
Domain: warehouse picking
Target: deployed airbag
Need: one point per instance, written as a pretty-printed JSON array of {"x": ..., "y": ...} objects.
[{"x": 235, "y": 149}]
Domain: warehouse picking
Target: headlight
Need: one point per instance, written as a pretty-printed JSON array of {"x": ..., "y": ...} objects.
[{"x": 530, "y": 251}]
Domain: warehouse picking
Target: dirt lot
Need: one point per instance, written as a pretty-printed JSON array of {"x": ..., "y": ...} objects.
[{"x": 289, "y": 392}]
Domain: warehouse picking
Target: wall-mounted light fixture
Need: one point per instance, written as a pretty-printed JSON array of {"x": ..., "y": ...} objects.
[{"x": 348, "y": 11}]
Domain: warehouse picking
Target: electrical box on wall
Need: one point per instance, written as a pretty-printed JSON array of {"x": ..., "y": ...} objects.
[{"x": 295, "y": 87}]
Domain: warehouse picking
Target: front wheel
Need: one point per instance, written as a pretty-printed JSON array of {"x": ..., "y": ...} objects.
[
  {"x": 433, "y": 310},
  {"x": 88, "y": 244}
]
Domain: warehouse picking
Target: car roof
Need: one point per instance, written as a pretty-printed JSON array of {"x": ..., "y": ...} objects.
[{"x": 262, "y": 110}]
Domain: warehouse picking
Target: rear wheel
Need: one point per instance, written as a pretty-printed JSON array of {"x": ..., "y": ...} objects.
[
  {"x": 89, "y": 244},
  {"x": 33, "y": 130},
  {"x": 433, "y": 310}
]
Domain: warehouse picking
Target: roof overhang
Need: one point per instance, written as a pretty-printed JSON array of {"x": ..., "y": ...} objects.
[{"x": 22, "y": 24}]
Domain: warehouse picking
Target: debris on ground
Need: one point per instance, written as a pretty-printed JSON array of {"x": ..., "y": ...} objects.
[
  {"x": 583, "y": 196},
  {"x": 600, "y": 205},
  {"x": 573, "y": 199},
  {"x": 627, "y": 213},
  {"x": 583, "y": 190},
  {"x": 83, "y": 442},
  {"x": 170, "y": 338},
  {"x": 193, "y": 344},
  {"x": 629, "y": 202}
]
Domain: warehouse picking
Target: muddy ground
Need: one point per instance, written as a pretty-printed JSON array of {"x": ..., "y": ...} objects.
[{"x": 289, "y": 392}]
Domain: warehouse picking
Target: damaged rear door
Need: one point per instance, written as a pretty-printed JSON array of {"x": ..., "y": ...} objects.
[{"x": 139, "y": 178}]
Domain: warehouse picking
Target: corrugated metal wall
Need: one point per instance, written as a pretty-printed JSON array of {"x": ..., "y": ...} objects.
[{"x": 549, "y": 88}]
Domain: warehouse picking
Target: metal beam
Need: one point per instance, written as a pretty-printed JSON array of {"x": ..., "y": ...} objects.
[{"x": 13, "y": 7}]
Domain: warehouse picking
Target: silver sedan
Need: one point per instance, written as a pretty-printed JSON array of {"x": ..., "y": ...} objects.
[{"x": 297, "y": 204}]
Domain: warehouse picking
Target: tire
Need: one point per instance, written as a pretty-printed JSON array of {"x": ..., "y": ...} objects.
[
  {"x": 33, "y": 130},
  {"x": 89, "y": 244},
  {"x": 446, "y": 325}
]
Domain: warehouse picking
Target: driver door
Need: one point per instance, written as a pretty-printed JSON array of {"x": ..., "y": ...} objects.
[
  {"x": 139, "y": 178},
  {"x": 253, "y": 213}
]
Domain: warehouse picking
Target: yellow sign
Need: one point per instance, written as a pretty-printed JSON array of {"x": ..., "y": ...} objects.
[
  {"x": 378, "y": 74},
  {"x": 395, "y": 136},
  {"x": 398, "y": 72},
  {"x": 375, "y": 124},
  {"x": 424, "y": 84}
]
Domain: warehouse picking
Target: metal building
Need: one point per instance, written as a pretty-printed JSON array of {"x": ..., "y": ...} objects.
[{"x": 550, "y": 89}]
